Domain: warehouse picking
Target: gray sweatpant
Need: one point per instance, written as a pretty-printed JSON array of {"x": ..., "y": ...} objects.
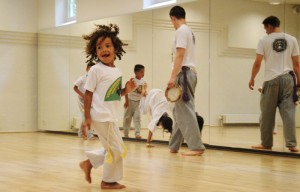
[
  {"x": 186, "y": 126},
  {"x": 278, "y": 93},
  {"x": 132, "y": 112}
]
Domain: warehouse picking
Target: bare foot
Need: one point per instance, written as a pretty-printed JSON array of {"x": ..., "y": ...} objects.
[
  {"x": 149, "y": 145},
  {"x": 86, "y": 167},
  {"x": 293, "y": 149},
  {"x": 113, "y": 185},
  {"x": 93, "y": 138},
  {"x": 193, "y": 153},
  {"x": 261, "y": 147},
  {"x": 173, "y": 151}
]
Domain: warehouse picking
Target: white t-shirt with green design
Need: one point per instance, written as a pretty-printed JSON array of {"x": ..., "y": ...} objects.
[{"x": 105, "y": 82}]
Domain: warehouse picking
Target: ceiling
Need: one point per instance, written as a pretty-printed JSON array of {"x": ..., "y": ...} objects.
[{"x": 294, "y": 2}]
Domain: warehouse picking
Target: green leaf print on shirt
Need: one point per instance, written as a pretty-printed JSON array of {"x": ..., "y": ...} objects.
[{"x": 113, "y": 92}]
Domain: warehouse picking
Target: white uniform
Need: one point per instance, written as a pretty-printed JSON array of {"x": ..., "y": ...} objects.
[
  {"x": 154, "y": 104},
  {"x": 132, "y": 112},
  {"x": 277, "y": 57},
  {"x": 185, "y": 38},
  {"x": 105, "y": 83},
  {"x": 80, "y": 83},
  {"x": 135, "y": 95}
]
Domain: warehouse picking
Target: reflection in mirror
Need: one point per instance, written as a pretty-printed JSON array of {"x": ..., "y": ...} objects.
[
  {"x": 234, "y": 35},
  {"x": 226, "y": 41}
]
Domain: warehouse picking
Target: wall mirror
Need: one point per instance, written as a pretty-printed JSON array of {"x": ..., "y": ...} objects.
[{"x": 227, "y": 33}]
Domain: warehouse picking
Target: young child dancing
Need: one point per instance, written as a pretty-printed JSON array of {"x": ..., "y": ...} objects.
[{"x": 102, "y": 103}]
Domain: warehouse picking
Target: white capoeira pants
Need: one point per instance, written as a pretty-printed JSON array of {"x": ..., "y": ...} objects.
[{"x": 111, "y": 156}]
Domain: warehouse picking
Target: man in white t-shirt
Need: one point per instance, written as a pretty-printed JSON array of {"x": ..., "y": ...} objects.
[
  {"x": 280, "y": 52},
  {"x": 132, "y": 102},
  {"x": 184, "y": 74}
]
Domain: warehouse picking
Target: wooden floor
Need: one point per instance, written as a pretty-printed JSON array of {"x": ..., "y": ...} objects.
[
  {"x": 230, "y": 136},
  {"x": 47, "y": 162}
]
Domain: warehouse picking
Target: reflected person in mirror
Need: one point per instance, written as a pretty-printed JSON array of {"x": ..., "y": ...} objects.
[
  {"x": 184, "y": 74},
  {"x": 80, "y": 90},
  {"x": 155, "y": 104},
  {"x": 280, "y": 51},
  {"x": 132, "y": 102},
  {"x": 102, "y": 102}
]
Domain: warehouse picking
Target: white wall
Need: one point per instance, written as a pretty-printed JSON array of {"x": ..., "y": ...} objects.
[
  {"x": 88, "y": 10},
  {"x": 18, "y": 15},
  {"x": 46, "y": 14},
  {"x": 18, "y": 65}
]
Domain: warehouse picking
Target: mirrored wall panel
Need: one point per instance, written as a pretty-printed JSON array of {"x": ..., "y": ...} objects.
[{"x": 227, "y": 33}]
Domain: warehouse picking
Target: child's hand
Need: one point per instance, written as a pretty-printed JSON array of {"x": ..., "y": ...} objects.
[
  {"x": 130, "y": 85},
  {"x": 144, "y": 90},
  {"x": 86, "y": 125},
  {"x": 260, "y": 89},
  {"x": 126, "y": 105}
]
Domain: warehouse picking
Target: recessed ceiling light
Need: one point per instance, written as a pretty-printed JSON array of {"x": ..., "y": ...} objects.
[
  {"x": 148, "y": 4},
  {"x": 275, "y": 2}
]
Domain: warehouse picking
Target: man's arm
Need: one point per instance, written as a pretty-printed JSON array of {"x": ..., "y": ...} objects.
[
  {"x": 255, "y": 69},
  {"x": 177, "y": 66}
]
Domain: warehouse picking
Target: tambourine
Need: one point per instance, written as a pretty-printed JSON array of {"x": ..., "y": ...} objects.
[{"x": 173, "y": 94}]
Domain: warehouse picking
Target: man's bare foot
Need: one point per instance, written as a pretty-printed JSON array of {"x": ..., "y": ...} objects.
[
  {"x": 293, "y": 149},
  {"x": 261, "y": 147},
  {"x": 173, "y": 151},
  {"x": 193, "y": 153},
  {"x": 86, "y": 167},
  {"x": 113, "y": 185}
]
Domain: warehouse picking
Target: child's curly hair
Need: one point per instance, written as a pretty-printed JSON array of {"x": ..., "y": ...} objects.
[{"x": 103, "y": 31}]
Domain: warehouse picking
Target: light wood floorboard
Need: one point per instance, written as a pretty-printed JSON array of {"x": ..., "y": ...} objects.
[{"x": 47, "y": 162}]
